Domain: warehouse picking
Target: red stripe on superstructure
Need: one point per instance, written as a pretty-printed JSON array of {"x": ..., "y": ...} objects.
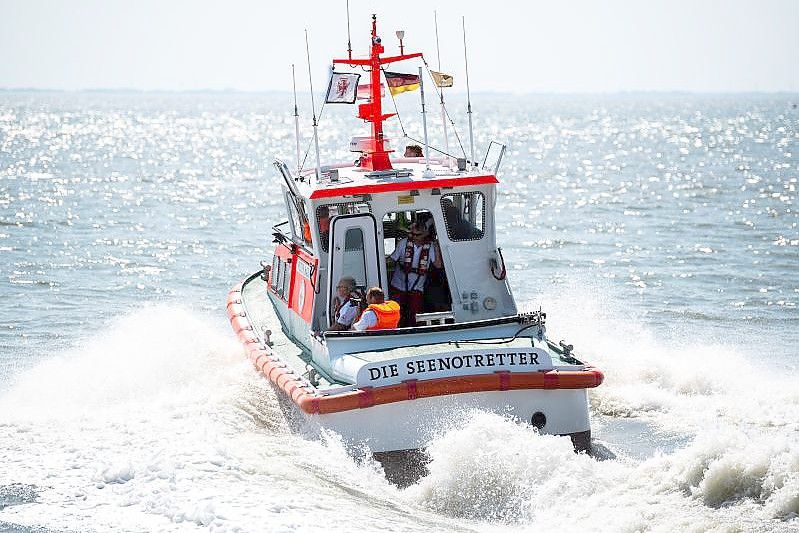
[{"x": 397, "y": 186}]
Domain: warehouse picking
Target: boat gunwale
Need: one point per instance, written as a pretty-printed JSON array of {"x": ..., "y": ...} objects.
[{"x": 311, "y": 401}]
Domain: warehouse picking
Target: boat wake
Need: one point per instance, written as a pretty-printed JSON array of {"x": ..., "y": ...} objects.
[{"x": 159, "y": 423}]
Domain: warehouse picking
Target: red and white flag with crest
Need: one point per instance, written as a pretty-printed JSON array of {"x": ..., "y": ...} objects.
[{"x": 343, "y": 88}]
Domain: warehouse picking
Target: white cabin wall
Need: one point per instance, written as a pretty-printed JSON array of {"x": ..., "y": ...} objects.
[{"x": 467, "y": 263}]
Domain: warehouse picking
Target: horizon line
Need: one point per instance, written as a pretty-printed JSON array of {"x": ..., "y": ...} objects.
[{"x": 131, "y": 90}]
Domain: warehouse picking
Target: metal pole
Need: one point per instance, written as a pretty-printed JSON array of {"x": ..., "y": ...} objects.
[
  {"x": 313, "y": 107},
  {"x": 296, "y": 120},
  {"x": 441, "y": 89},
  {"x": 468, "y": 93},
  {"x": 424, "y": 123},
  {"x": 349, "y": 42}
]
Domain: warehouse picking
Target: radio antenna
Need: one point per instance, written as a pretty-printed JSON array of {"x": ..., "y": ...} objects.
[
  {"x": 313, "y": 107},
  {"x": 468, "y": 93},
  {"x": 441, "y": 91},
  {"x": 349, "y": 41},
  {"x": 296, "y": 120},
  {"x": 424, "y": 124}
]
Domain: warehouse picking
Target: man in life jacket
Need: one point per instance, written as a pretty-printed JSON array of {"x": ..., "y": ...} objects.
[
  {"x": 413, "y": 257},
  {"x": 379, "y": 314},
  {"x": 346, "y": 304}
]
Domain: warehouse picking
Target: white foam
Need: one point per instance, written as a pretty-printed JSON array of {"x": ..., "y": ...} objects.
[
  {"x": 495, "y": 470},
  {"x": 159, "y": 423}
]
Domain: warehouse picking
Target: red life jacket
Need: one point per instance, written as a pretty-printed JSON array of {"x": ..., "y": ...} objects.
[
  {"x": 424, "y": 259},
  {"x": 387, "y": 313}
]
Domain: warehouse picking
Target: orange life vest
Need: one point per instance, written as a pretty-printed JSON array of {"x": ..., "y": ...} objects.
[{"x": 388, "y": 315}]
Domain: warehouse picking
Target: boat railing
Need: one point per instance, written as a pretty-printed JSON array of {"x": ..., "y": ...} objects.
[{"x": 435, "y": 319}]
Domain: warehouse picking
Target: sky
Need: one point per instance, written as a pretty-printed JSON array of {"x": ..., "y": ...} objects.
[{"x": 513, "y": 46}]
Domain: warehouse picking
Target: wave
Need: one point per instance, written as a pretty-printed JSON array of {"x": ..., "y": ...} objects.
[
  {"x": 158, "y": 422},
  {"x": 493, "y": 470}
]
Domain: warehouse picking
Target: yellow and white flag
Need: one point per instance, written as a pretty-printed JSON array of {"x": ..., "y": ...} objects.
[{"x": 441, "y": 79}]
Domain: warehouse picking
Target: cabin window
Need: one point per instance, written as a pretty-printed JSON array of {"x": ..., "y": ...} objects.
[
  {"x": 464, "y": 215},
  {"x": 354, "y": 257},
  {"x": 300, "y": 229},
  {"x": 280, "y": 275},
  {"x": 325, "y": 212},
  {"x": 397, "y": 223},
  {"x": 274, "y": 273},
  {"x": 286, "y": 280}
]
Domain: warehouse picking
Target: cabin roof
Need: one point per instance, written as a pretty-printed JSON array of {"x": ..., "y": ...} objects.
[{"x": 408, "y": 174}]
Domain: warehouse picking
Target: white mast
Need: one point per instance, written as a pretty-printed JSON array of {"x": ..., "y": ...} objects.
[
  {"x": 296, "y": 120},
  {"x": 313, "y": 108},
  {"x": 468, "y": 94}
]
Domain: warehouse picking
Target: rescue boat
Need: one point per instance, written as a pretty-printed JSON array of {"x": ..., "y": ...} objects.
[{"x": 392, "y": 390}]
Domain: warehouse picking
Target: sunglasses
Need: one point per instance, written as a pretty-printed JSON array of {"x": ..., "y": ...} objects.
[{"x": 416, "y": 234}]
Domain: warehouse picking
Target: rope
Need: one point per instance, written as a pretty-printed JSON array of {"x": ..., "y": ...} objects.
[
  {"x": 394, "y": 100},
  {"x": 402, "y": 126},
  {"x": 399, "y": 117},
  {"x": 440, "y": 97}
]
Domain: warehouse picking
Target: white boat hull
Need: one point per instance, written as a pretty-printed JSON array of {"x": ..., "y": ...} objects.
[{"x": 413, "y": 424}]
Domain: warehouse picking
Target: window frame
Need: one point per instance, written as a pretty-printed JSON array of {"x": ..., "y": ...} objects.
[
  {"x": 324, "y": 244},
  {"x": 481, "y": 229}
]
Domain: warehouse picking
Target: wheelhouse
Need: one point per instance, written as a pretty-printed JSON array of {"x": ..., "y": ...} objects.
[{"x": 350, "y": 220}]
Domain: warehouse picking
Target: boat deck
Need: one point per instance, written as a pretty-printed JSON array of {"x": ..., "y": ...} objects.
[
  {"x": 351, "y": 350},
  {"x": 408, "y": 173}
]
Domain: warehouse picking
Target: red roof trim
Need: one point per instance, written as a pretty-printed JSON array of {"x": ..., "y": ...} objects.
[{"x": 403, "y": 186}]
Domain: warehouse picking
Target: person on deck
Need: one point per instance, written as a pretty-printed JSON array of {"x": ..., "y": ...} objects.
[
  {"x": 346, "y": 306},
  {"x": 413, "y": 257},
  {"x": 379, "y": 314},
  {"x": 413, "y": 150}
]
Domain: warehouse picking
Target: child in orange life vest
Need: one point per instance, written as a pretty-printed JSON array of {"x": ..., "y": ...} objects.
[
  {"x": 413, "y": 257},
  {"x": 379, "y": 314}
]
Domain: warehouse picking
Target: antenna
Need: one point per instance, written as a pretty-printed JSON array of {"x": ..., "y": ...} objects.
[
  {"x": 313, "y": 108},
  {"x": 468, "y": 93},
  {"x": 424, "y": 123},
  {"x": 296, "y": 120},
  {"x": 349, "y": 41},
  {"x": 441, "y": 91}
]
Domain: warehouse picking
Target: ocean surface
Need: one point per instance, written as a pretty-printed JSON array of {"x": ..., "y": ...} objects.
[{"x": 660, "y": 233}]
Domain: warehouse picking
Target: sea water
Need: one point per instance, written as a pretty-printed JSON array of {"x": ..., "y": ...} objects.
[{"x": 658, "y": 232}]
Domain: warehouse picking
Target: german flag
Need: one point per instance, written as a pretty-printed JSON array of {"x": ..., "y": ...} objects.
[{"x": 400, "y": 83}]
